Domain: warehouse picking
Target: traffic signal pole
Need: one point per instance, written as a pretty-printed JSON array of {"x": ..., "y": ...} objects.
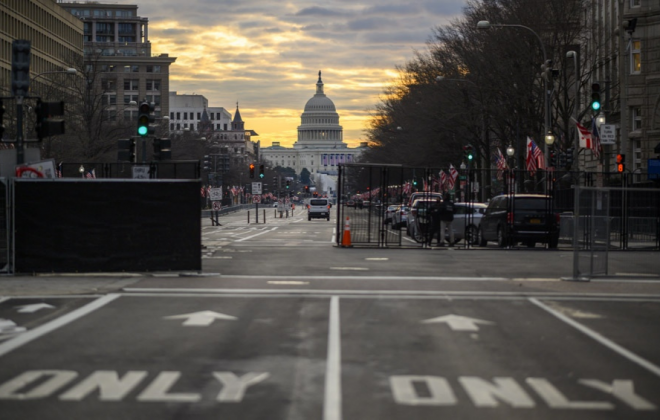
[{"x": 20, "y": 156}]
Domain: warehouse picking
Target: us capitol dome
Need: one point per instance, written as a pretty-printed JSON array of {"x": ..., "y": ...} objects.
[{"x": 320, "y": 147}]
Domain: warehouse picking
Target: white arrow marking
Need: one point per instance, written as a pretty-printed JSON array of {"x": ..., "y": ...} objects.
[
  {"x": 458, "y": 323},
  {"x": 27, "y": 309},
  {"x": 201, "y": 319}
]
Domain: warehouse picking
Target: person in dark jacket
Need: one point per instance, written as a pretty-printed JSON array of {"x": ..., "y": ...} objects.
[
  {"x": 446, "y": 219},
  {"x": 433, "y": 227}
]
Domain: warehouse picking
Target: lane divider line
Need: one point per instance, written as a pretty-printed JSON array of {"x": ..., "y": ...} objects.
[
  {"x": 332, "y": 400},
  {"x": 44, "y": 329},
  {"x": 258, "y": 234},
  {"x": 600, "y": 338}
]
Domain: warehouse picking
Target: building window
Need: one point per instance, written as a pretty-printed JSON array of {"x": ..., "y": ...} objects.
[
  {"x": 178, "y": 126},
  {"x": 192, "y": 127},
  {"x": 178, "y": 115},
  {"x": 185, "y": 116},
  {"x": 635, "y": 56},
  {"x": 635, "y": 3},
  {"x": 109, "y": 99},
  {"x": 131, "y": 69},
  {"x": 131, "y": 84},
  {"x": 199, "y": 115},
  {"x": 636, "y": 118},
  {"x": 153, "y": 84},
  {"x": 130, "y": 97},
  {"x": 130, "y": 115},
  {"x": 155, "y": 99},
  {"x": 108, "y": 84},
  {"x": 171, "y": 126},
  {"x": 153, "y": 69}
]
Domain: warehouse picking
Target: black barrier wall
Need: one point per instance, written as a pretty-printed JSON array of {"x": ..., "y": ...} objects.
[{"x": 66, "y": 225}]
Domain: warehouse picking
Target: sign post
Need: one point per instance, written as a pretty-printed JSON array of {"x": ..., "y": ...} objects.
[{"x": 256, "y": 192}]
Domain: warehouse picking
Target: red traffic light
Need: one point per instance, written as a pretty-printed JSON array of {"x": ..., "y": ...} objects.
[{"x": 620, "y": 162}]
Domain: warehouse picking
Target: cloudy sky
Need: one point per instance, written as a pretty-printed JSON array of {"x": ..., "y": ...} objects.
[{"x": 266, "y": 54}]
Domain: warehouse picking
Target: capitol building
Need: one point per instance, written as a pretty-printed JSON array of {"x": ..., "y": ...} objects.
[{"x": 320, "y": 147}]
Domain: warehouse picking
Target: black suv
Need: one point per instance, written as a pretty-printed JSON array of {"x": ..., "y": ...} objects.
[{"x": 526, "y": 218}]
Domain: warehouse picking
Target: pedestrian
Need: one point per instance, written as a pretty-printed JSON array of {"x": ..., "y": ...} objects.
[
  {"x": 433, "y": 226},
  {"x": 446, "y": 219}
]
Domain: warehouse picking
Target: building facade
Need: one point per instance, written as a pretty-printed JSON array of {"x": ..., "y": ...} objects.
[
  {"x": 118, "y": 50},
  {"x": 320, "y": 147},
  {"x": 186, "y": 112},
  {"x": 56, "y": 39}
]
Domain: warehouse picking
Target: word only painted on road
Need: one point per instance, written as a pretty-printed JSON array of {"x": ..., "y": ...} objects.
[
  {"x": 420, "y": 390},
  {"x": 109, "y": 386}
]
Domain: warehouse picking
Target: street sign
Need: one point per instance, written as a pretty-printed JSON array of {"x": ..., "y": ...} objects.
[
  {"x": 256, "y": 188},
  {"x": 607, "y": 134},
  {"x": 216, "y": 194},
  {"x": 256, "y": 199},
  {"x": 654, "y": 169},
  {"x": 217, "y": 205},
  {"x": 140, "y": 172}
]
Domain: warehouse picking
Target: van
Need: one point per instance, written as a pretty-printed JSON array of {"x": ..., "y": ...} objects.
[{"x": 318, "y": 208}]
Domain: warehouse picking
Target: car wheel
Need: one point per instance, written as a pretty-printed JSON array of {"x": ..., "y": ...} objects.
[
  {"x": 501, "y": 239},
  {"x": 554, "y": 241},
  {"x": 328, "y": 218},
  {"x": 471, "y": 235},
  {"x": 482, "y": 241},
  {"x": 309, "y": 218}
]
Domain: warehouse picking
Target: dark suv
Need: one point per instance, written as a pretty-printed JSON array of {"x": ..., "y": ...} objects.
[{"x": 526, "y": 218}]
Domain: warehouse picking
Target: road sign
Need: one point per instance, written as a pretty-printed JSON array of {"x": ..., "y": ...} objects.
[
  {"x": 256, "y": 188},
  {"x": 140, "y": 172},
  {"x": 256, "y": 199},
  {"x": 217, "y": 205},
  {"x": 216, "y": 194},
  {"x": 607, "y": 134}
]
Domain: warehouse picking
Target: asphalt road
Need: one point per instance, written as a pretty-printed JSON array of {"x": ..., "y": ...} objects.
[{"x": 282, "y": 324}]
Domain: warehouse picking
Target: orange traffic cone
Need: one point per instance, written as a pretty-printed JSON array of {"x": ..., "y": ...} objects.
[{"x": 346, "y": 237}]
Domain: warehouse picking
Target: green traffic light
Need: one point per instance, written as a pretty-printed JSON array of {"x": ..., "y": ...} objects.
[
  {"x": 142, "y": 130},
  {"x": 595, "y": 105}
]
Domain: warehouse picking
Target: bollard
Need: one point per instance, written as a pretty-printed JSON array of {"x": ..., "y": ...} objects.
[
  {"x": 248, "y": 217},
  {"x": 264, "y": 216}
]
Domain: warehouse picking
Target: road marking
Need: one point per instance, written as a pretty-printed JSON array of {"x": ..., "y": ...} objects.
[
  {"x": 44, "y": 329},
  {"x": 288, "y": 282},
  {"x": 600, "y": 338},
  {"x": 28, "y": 309},
  {"x": 377, "y": 259},
  {"x": 458, "y": 323},
  {"x": 349, "y": 268},
  {"x": 637, "y": 275},
  {"x": 258, "y": 234},
  {"x": 332, "y": 400},
  {"x": 201, "y": 319}
]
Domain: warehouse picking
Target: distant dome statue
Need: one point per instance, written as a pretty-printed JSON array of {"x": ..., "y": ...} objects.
[{"x": 319, "y": 121}]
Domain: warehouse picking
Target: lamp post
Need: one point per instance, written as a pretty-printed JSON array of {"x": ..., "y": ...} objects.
[
  {"x": 484, "y": 24},
  {"x": 82, "y": 171}
]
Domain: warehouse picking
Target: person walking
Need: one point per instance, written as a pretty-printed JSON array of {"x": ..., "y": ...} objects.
[
  {"x": 446, "y": 219},
  {"x": 433, "y": 227}
]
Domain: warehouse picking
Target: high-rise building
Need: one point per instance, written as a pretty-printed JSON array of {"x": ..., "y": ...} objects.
[
  {"x": 56, "y": 39},
  {"x": 117, "y": 48}
]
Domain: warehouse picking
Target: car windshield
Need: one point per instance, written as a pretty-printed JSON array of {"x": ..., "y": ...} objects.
[
  {"x": 531, "y": 203},
  {"x": 318, "y": 202}
]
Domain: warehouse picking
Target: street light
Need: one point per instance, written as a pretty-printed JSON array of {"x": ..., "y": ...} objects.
[
  {"x": 484, "y": 24},
  {"x": 600, "y": 119},
  {"x": 549, "y": 138},
  {"x": 82, "y": 171}
]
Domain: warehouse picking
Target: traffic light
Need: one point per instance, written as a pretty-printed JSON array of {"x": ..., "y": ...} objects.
[
  {"x": 620, "y": 163},
  {"x": 569, "y": 157},
  {"x": 468, "y": 154},
  {"x": 20, "y": 67},
  {"x": 288, "y": 184},
  {"x": 252, "y": 170},
  {"x": 562, "y": 160},
  {"x": 207, "y": 163},
  {"x": 144, "y": 119},
  {"x": 162, "y": 149},
  {"x": 126, "y": 150},
  {"x": 553, "y": 159},
  {"x": 595, "y": 96},
  {"x": 2, "y": 119},
  {"x": 47, "y": 126},
  {"x": 261, "y": 171}
]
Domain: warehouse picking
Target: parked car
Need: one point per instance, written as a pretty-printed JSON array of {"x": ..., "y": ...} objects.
[
  {"x": 350, "y": 203},
  {"x": 389, "y": 212},
  {"x": 418, "y": 219},
  {"x": 426, "y": 195},
  {"x": 526, "y": 218},
  {"x": 400, "y": 217},
  {"x": 467, "y": 217}
]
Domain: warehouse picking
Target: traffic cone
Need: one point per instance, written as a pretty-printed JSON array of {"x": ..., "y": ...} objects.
[{"x": 346, "y": 237}]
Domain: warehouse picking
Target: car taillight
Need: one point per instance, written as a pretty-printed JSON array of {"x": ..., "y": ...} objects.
[
  {"x": 328, "y": 207},
  {"x": 557, "y": 218},
  {"x": 509, "y": 217}
]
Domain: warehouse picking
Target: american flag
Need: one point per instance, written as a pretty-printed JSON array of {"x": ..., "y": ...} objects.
[
  {"x": 91, "y": 174},
  {"x": 501, "y": 163},
  {"x": 453, "y": 175},
  {"x": 443, "y": 180},
  {"x": 535, "y": 159},
  {"x": 203, "y": 192},
  {"x": 584, "y": 135},
  {"x": 596, "y": 148}
]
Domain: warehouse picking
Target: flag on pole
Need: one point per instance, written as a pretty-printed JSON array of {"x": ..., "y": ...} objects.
[
  {"x": 59, "y": 170},
  {"x": 91, "y": 174},
  {"x": 453, "y": 175},
  {"x": 501, "y": 163},
  {"x": 535, "y": 158},
  {"x": 585, "y": 136},
  {"x": 443, "y": 180},
  {"x": 596, "y": 147}
]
